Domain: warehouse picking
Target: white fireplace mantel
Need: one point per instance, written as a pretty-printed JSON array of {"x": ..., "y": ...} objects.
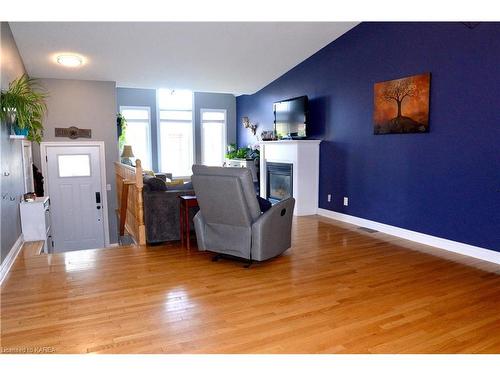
[{"x": 304, "y": 156}]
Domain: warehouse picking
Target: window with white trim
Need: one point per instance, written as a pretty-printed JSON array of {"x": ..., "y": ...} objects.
[
  {"x": 176, "y": 131},
  {"x": 213, "y": 136},
  {"x": 138, "y": 133}
]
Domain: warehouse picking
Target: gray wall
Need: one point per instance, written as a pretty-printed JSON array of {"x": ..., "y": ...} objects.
[
  {"x": 208, "y": 100},
  {"x": 10, "y": 150},
  {"x": 88, "y": 105},
  {"x": 142, "y": 98},
  {"x": 205, "y": 100}
]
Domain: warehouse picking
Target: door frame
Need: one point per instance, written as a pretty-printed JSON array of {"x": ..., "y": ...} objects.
[
  {"x": 102, "y": 162},
  {"x": 28, "y": 189}
]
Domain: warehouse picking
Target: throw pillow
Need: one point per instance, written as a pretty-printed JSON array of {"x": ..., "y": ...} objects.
[{"x": 154, "y": 184}]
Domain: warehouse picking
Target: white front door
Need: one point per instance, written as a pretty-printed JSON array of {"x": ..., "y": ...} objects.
[{"x": 74, "y": 188}]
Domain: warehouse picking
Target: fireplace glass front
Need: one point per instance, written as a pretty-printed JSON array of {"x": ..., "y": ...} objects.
[{"x": 279, "y": 181}]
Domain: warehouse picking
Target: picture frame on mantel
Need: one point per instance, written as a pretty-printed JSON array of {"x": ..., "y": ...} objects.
[{"x": 402, "y": 105}]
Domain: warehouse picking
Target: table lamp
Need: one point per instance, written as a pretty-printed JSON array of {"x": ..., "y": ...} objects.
[{"x": 127, "y": 154}]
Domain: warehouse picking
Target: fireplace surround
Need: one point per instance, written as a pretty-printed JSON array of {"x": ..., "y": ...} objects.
[{"x": 302, "y": 159}]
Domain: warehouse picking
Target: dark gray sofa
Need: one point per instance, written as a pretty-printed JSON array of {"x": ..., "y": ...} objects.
[{"x": 161, "y": 209}]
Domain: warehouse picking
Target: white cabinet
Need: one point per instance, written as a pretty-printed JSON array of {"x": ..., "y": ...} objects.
[
  {"x": 35, "y": 221},
  {"x": 241, "y": 163}
]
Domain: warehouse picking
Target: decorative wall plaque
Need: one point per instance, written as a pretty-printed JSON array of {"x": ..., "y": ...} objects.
[{"x": 73, "y": 132}]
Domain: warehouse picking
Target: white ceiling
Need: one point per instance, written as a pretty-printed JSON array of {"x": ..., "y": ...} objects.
[{"x": 231, "y": 57}]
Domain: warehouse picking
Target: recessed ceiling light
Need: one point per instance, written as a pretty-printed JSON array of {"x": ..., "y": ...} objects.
[{"x": 71, "y": 61}]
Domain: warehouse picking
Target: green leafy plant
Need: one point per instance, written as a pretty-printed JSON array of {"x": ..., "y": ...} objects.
[
  {"x": 122, "y": 130},
  {"x": 231, "y": 151},
  {"x": 23, "y": 105},
  {"x": 242, "y": 153}
]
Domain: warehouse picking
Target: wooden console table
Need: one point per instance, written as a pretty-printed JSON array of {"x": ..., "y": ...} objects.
[{"x": 187, "y": 202}]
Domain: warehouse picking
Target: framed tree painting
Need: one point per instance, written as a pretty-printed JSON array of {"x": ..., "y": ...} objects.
[{"x": 402, "y": 105}]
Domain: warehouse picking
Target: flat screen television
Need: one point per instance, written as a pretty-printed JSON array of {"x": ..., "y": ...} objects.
[{"x": 290, "y": 118}]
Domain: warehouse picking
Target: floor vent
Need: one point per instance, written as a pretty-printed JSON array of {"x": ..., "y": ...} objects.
[{"x": 368, "y": 230}]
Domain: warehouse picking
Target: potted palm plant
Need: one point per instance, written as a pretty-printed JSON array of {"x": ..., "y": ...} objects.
[{"x": 23, "y": 106}]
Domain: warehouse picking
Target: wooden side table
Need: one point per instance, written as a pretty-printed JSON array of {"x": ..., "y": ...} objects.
[{"x": 187, "y": 202}]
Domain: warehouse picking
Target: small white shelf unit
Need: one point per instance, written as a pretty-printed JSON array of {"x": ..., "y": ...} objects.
[
  {"x": 243, "y": 163},
  {"x": 36, "y": 223}
]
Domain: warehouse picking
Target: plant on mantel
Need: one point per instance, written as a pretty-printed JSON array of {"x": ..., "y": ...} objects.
[
  {"x": 23, "y": 106},
  {"x": 241, "y": 153}
]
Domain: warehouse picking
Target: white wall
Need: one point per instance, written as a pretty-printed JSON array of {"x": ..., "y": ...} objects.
[{"x": 87, "y": 105}]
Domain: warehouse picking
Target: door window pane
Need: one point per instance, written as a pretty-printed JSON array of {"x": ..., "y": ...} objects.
[{"x": 73, "y": 165}]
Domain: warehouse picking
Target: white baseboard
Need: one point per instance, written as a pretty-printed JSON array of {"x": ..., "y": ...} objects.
[
  {"x": 442, "y": 243},
  {"x": 11, "y": 258}
]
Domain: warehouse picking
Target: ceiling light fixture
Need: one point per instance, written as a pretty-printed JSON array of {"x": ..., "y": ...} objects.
[{"x": 70, "y": 61}]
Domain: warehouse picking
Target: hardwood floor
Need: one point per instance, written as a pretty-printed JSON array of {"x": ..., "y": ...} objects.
[
  {"x": 32, "y": 249},
  {"x": 338, "y": 290}
]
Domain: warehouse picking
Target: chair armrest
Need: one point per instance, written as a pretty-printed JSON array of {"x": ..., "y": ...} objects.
[
  {"x": 272, "y": 231},
  {"x": 199, "y": 226}
]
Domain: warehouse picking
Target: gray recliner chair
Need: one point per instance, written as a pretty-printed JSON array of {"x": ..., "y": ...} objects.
[{"x": 230, "y": 222}]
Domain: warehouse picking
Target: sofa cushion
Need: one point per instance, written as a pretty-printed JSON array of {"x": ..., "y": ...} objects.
[
  {"x": 154, "y": 184},
  {"x": 164, "y": 176},
  {"x": 178, "y": 181}
]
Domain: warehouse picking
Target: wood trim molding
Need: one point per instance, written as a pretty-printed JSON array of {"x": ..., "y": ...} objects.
[
  {"x": 442, "y": 243},
  {"x": 130, "y": 209},
  {"x": 123, "y": 205},
  {"x": 11, "y": 258}
]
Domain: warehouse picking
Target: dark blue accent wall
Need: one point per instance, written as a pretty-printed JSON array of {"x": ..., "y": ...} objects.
[{"x": 445, "y": 183}]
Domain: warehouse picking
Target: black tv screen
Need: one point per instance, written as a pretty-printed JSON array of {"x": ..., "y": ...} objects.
[{"x": 290, "y": 117}]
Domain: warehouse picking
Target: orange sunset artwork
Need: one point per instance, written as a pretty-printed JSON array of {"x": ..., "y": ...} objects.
[{"x": 402, "y": 105}]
